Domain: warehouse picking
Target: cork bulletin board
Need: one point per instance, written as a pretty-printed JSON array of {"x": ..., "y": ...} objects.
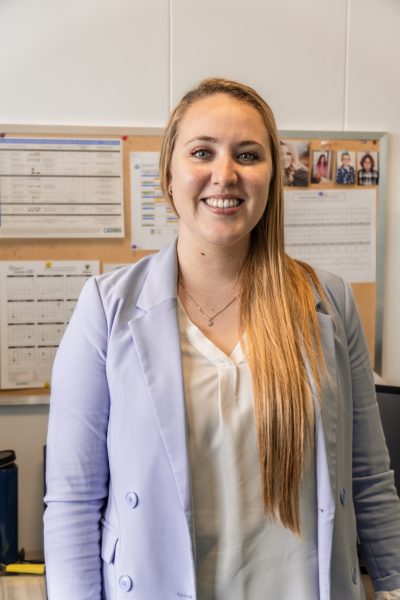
[
  {"x": 119, "y": 250},
  {"x": 358, "y": 146}
]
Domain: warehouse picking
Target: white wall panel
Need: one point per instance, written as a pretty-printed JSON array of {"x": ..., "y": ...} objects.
[
  {"x": 292, "y": 52},
  {"x": 84, "y": 62},
  {"x": 373, "y": 101}
]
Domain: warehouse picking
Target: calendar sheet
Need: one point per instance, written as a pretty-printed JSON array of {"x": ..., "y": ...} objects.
[
  {"x": 333, "y": 230},
  {"x": 37, "y": 299}
]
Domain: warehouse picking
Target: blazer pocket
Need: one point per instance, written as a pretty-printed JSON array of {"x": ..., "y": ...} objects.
[{"x": 109, "y": 539}]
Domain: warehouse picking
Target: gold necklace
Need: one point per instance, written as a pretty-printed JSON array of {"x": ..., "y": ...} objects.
[{"x": 210, "y": 318}]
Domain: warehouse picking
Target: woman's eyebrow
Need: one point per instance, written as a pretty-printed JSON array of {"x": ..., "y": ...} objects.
[
  {"x": 250, "y": 143},
  {"x": 201, "y": 138},
  {"x": 207, "y": 138}
]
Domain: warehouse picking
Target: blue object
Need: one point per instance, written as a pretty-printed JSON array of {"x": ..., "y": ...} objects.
[{"x": 8, "y": 507}]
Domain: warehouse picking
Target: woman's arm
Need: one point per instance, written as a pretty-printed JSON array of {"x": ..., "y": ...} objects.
[
  {"x": 76, "y": 454},
  {"x": 375, "y": 500}
]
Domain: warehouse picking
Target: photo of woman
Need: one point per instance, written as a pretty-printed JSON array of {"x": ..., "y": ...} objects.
[{"x": 294, "y": 158}]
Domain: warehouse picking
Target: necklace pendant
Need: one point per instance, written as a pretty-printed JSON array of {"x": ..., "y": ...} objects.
[{"x": 210, "y": 322}]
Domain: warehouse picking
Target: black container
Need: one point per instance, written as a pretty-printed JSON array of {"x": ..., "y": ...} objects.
[{"x": 8, "y": 507}]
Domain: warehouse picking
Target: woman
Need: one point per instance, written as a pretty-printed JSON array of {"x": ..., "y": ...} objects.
[
  {"x": 294, "y": 172},
  {"x": 367, "y": 175},
  {"x": 212, "y": 407}
]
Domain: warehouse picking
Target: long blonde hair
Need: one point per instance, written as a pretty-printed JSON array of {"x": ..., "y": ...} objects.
[{"x": 277, "y": 312}]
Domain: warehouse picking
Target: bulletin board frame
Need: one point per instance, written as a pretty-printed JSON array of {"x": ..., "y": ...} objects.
[{"x": 149, "y": 139}]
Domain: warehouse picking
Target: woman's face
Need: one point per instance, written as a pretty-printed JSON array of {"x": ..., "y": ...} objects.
[
  {"x": 220, "y": 171},
  {"x": 287, "y": 156}
]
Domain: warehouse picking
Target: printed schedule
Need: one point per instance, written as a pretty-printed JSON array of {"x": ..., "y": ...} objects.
[{"x": 61, "y": 188}]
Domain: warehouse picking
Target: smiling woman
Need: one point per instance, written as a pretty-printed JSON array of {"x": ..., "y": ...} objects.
[{"x": 225, "y": 442}]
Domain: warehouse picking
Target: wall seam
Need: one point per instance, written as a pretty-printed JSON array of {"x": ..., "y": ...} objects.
[
  {"x": 170, "y": 57},
  {"x": 346, "y": 68}
]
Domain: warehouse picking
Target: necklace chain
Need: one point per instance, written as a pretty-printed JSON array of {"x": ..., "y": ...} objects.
[{"x": 210, "y": 318}]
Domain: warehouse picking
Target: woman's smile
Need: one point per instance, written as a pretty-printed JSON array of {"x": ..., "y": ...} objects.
[{"x": 223, "y": 203}]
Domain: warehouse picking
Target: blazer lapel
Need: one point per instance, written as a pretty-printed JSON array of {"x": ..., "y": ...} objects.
[
  {"x": 326, "y": 452},
  {"x": 329, "y": 395},
  {"x": 156, "y": 336}
]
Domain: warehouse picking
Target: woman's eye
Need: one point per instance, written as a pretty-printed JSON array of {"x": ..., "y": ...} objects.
[
  {"x": 202, "y": 153},
  {"x": 248, "y": 156}
]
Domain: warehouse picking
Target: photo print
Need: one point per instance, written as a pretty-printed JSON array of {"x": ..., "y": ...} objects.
[
  {"x": 368, "y": 170},
  {"x": 296, "y": 162},
  {"x": 345, "y": 167},
  {"x": 321, "y": 166}
]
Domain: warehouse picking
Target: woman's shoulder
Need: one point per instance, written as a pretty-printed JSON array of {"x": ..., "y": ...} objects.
[
  {"x": 161, "y": 260},
  {"x": 123, "y": 277},
  {"x": 102, "y": 295},
  {"x": 147, "y": 279},
  {"x": 328, "y": 279},
  {"x": 335, "y": 289}
]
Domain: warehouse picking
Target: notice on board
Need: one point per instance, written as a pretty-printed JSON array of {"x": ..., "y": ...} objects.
[
  {"x": 154, "y": 223},
  {"x": 37, "y": 299},
  {"x": 333, "y": 230},
  {"x": 61, "y": 188}
]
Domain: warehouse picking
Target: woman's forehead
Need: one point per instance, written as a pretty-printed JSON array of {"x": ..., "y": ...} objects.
[{"x": 219, "y": 114}]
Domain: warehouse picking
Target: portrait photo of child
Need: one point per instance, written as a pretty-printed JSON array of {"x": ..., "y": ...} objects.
[
  {"x": 321, "y": 167},
  {"x": 368, "y": 173},
  {"x": 345, "y": 171}
]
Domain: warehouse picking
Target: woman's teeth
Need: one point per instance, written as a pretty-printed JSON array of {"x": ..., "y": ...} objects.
[{"x": 220, "y": 203}]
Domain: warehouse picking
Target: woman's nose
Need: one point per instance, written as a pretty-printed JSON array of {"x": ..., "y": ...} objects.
[{"x": 224, "y": 171}]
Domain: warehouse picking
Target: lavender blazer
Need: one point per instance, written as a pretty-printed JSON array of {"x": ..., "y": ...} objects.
[{"x": 118, "y": 523}]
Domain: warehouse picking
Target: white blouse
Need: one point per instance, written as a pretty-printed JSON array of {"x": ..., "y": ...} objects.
[{"x": 240, "y": 554}]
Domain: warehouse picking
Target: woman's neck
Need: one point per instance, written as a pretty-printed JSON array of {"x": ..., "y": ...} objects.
[
  {"x": 207, "y": 289},
  {"x": 207, "y": 268}
]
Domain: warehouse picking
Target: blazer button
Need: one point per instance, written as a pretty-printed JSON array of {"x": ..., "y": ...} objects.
[
  {"x": 343, "y": 496},
  {"x": 125, "y": 583},
  {"x": 354, "y": 576},
  {"x": 131, "y": 499}
]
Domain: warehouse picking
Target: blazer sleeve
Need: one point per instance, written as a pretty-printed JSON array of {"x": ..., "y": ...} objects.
[
  {"x": 375, "y": 499},
  {"x": 76, "y": 454}
]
